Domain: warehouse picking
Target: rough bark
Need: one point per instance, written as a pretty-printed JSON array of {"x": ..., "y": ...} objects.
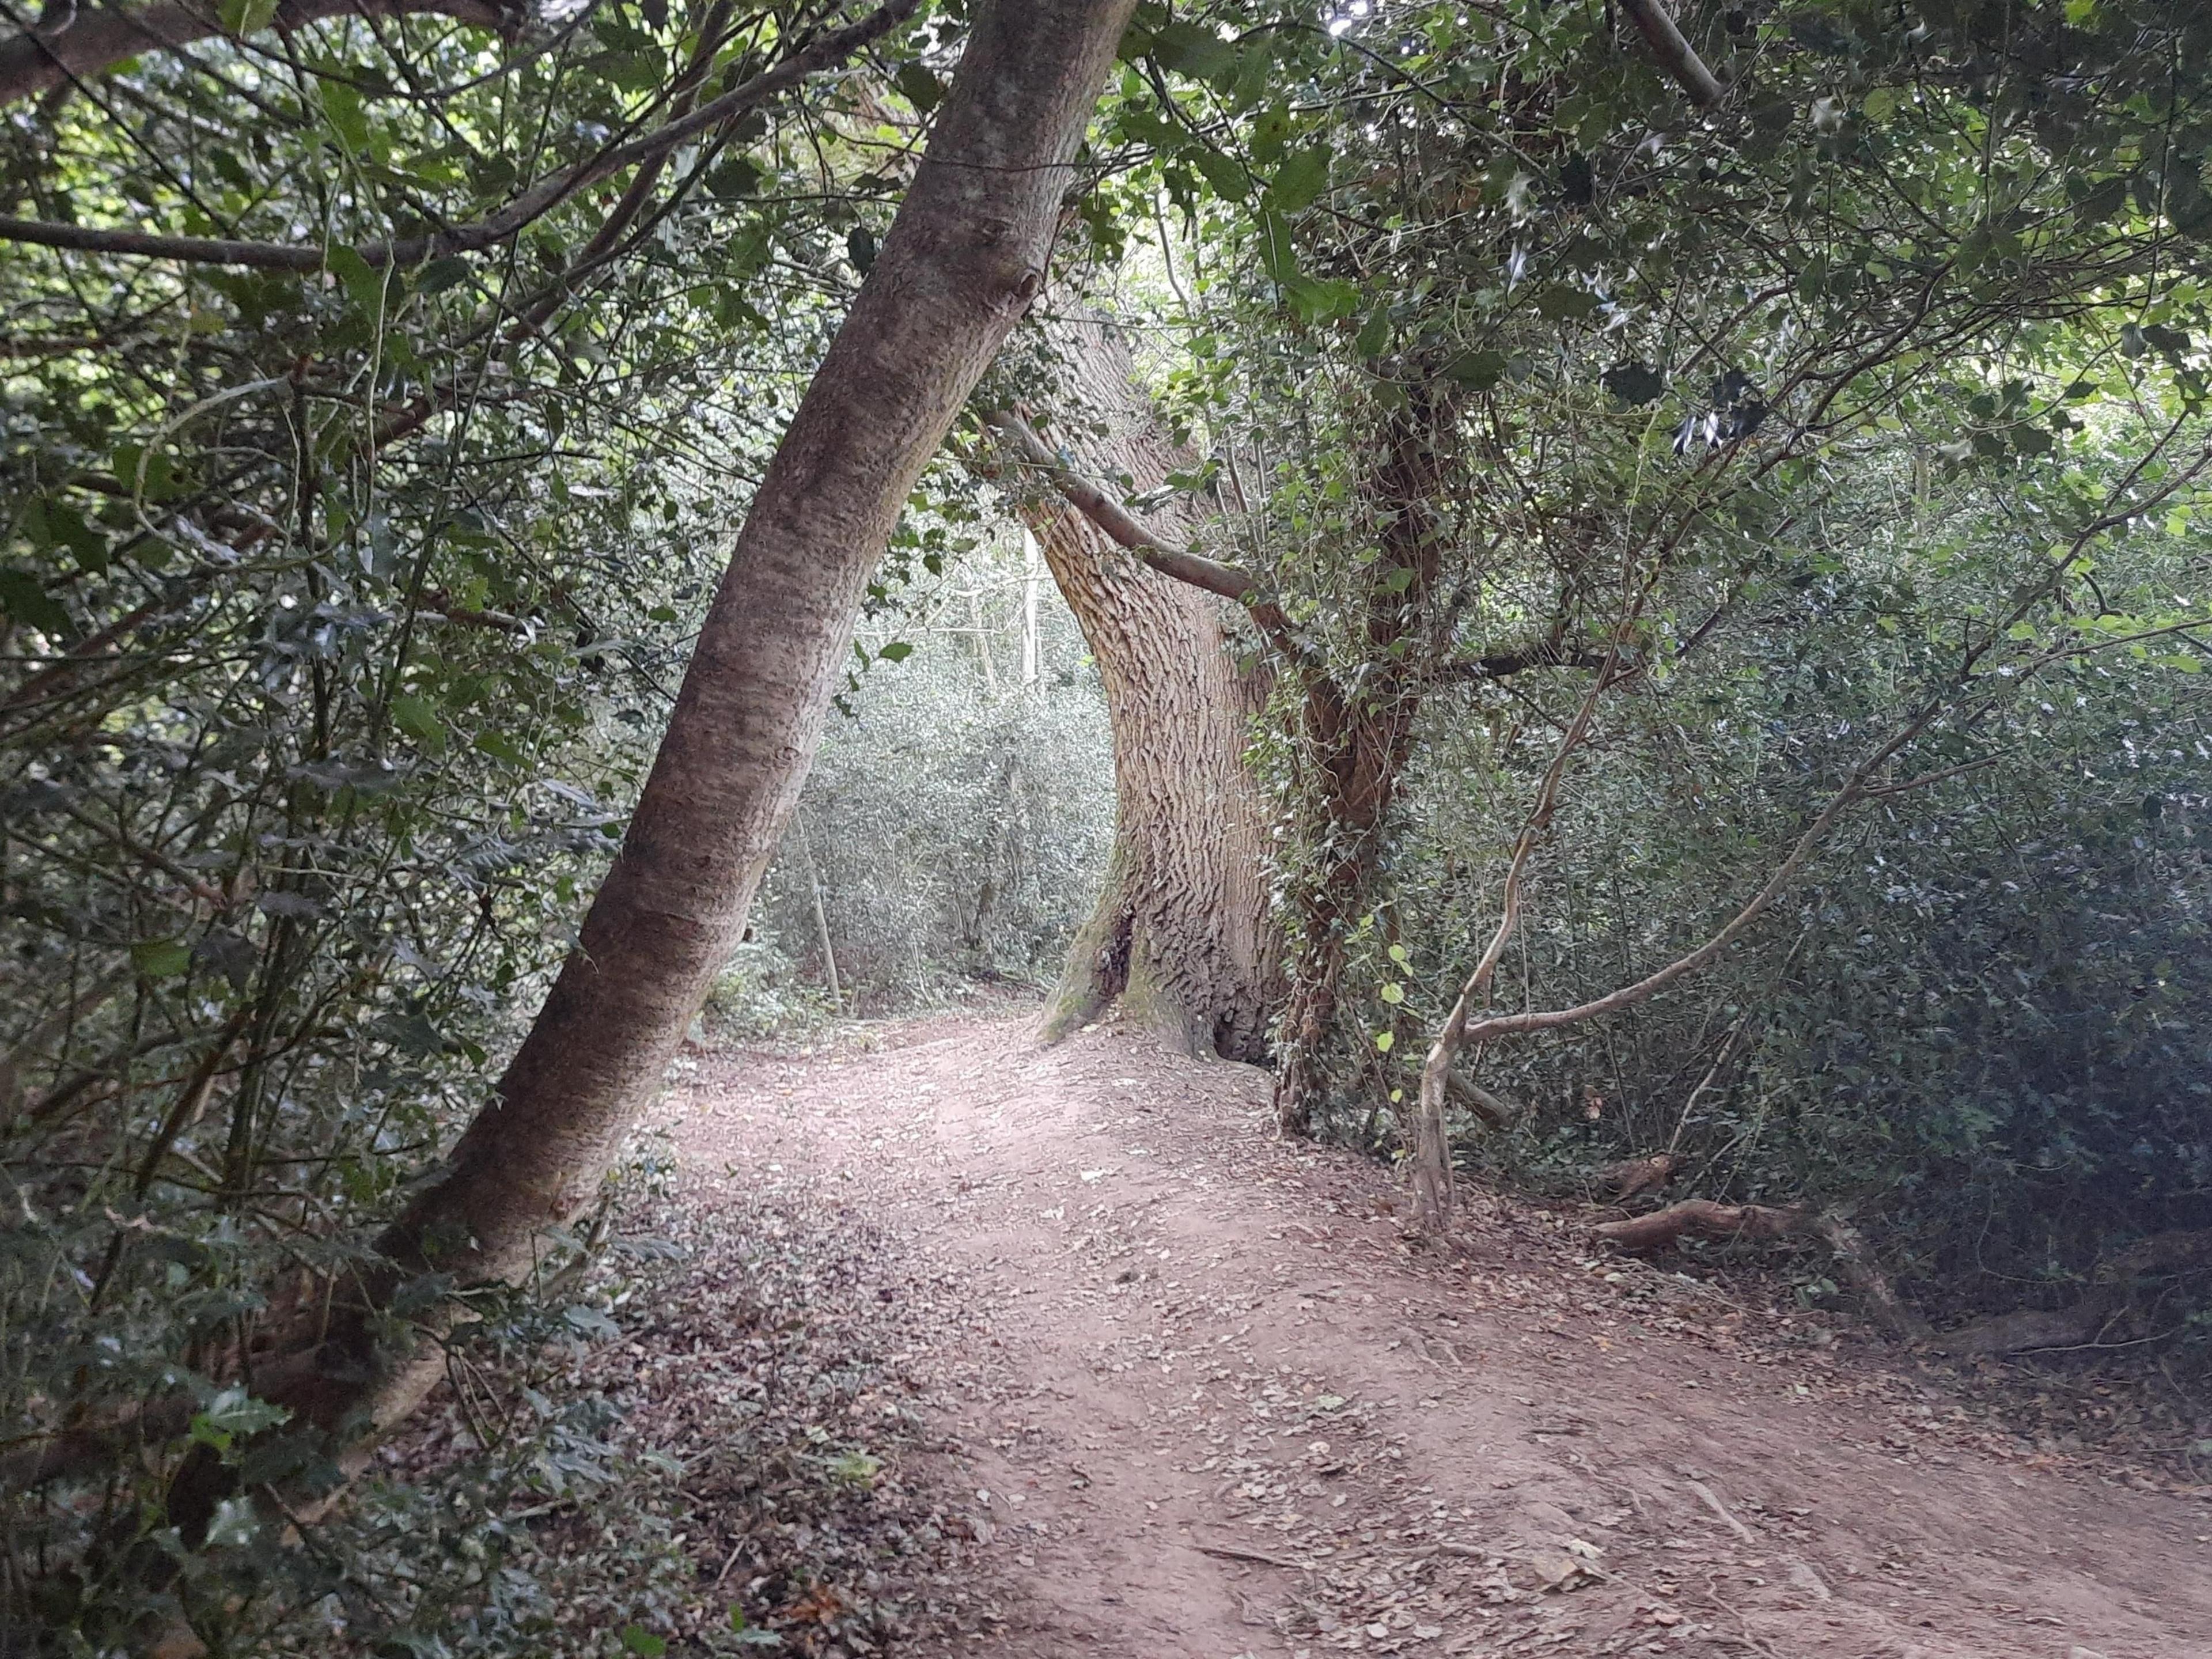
[
  {"x": 962, "y": 260},
  {"x": 1181, "y": 934}
]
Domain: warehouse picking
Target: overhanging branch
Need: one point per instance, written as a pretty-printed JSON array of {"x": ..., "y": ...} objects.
[
  {"x": 1676, "y": 54},
  {"x": 533, "y": 204},
  {"x": 91, "y": 38},
  {"x": 1228, "y": 580}
]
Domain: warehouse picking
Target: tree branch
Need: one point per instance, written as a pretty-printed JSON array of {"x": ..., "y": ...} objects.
[
  {"x": 92, "y": 38},
  {"x": 540, "y": 199},
  {"x": 1228, "y": 580},
  {"x": 1628, "y": 996},
  {"x": 1676, "y": 54},
  {"x": 1504, "y": 665}
]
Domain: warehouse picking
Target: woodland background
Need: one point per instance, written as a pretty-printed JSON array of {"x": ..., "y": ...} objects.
[{"x": 1595, "y": 472}]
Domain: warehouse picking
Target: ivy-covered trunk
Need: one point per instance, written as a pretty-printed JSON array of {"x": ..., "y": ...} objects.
[
  {"x": 1181, "y": 934},
  {"x": 1354, "y": 734}
]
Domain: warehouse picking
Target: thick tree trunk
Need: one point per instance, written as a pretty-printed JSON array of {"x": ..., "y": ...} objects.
[
  {"x": 1181, "y": 934},
  {"x": 962, "y": 260}
]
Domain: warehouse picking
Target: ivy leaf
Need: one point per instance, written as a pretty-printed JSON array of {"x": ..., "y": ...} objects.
[
  {"x": 637, "y": 71},
  {"x": 1385, "y": 1041},
  {"x": 861, "y": 248},
  {"x": 246, "y": 16},
  {"x": 1300, "y": 178},
  {"x": 418, "y": 718},
  {"x": 341, "y": 107},
  {"x": 897, "y": 651},
  {"x": 442, "y": 274},
  {"x": 1374, "y": 333},
  {"x": 236, "y": 1411},
  {"x": 1276, "y": 253},
  {"x": 1190, "y": 49},
  {"x": 1394, "y": 993},
  {"x": 1317, "y": 301},
  {"x": 161, "y": 958},
  {"x": 1477, "y": 370},
  {"x": 57, "y": 523},
  {"x": 25, "y": 599},
  {"x": 363, "y": 282},
  {"x": 1224, "y": 173},
  {"x": 499, "y": 746},
  {"x": 918, "y": 86}
]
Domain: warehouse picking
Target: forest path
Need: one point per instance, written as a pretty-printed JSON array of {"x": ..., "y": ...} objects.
[{"x": 1200, "y": 1397}]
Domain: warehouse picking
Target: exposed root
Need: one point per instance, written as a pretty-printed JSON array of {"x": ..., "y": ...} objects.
[
  {"x": 1701, "y": 1217},
  {"x": 2083, "y": 1321}
]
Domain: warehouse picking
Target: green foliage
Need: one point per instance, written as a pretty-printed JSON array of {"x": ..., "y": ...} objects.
[
  {"x": 958, "y": 820},
  {"x": 341, "y": 608},
  {"x": 1864, "y": 394}
]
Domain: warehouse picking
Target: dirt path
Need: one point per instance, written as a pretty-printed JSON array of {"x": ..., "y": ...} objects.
[{"x": 1204, "y": 1400}]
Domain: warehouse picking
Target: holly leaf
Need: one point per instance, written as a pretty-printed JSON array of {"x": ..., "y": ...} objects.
[{"x": 1634, "y": 383}]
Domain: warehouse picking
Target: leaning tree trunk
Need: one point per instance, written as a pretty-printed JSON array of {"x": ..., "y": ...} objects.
[
  {"x": 962, "y": 260},
  {"x": 1181, "y": 934}
]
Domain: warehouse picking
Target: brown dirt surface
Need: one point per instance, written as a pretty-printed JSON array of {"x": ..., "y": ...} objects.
[{"x": 1149, "y": 1381}]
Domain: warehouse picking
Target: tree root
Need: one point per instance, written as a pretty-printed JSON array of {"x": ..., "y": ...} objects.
[
  {"x": 2073, "y": 1326},
  {"x": 2080, "y": 1322},
  {"x": 1701, "y": 1217}
]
